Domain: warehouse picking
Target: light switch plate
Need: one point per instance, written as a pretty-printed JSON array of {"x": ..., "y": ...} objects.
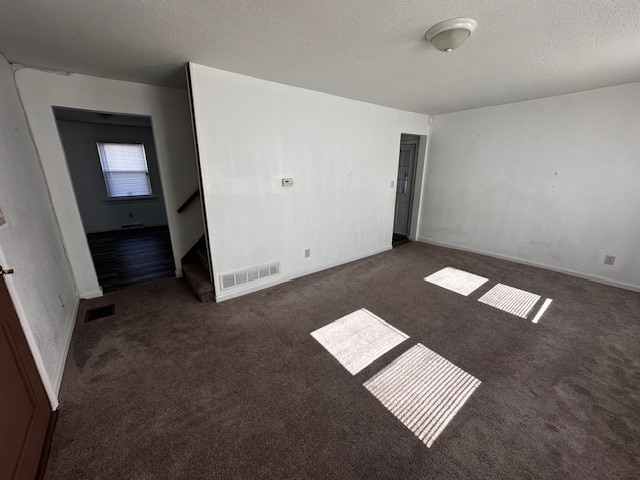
[{"x": 2, "y": 220}]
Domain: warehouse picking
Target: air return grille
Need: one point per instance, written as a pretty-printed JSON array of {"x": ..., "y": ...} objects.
[{"x": 235, "y": 279}]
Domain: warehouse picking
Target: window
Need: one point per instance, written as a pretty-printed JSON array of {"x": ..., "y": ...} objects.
[{"x": 125, "y": 169}]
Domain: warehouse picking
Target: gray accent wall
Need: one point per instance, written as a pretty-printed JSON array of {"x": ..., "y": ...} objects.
[{"x": 98, "y": 212}]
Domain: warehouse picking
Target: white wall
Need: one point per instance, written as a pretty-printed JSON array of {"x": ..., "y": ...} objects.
[
  {"x": 342, "y": 156},
  {"x": 98, "y": 212},
  {"x": 30, "y": 243},
  {"x": 554, "y": 182},
  {"x": 170, "y": 118}
]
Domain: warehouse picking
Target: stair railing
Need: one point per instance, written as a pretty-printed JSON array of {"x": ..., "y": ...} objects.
[{"x": 188, "y": 201}]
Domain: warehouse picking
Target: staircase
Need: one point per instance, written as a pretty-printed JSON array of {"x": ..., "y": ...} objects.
[{"x": 195, "y": 270}]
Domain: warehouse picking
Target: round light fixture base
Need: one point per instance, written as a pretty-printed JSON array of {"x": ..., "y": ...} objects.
[{"x": 450, "y": 34}]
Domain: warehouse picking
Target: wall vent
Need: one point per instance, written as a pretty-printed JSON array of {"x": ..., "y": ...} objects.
[
  {"x": 241, "y": 277},
  {"x": 129, "y": 226}
]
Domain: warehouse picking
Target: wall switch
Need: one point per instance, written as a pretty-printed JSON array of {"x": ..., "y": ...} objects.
[
  {"x": 2, "y": 220},
  {"x": 287, "y": 182},
  {"x": 609, "y": 259},
  {"x": 393, "y": 183},
  {"x": 307, "y": 253},
  {"x": 61, "y": 302}
]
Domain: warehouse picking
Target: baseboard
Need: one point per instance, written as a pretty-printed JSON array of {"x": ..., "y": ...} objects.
[
  {"x": 586, "y": 276},
  {"x": 118, "y": 228},
  {"x": 341, "y": 262},
  {"x": 71, "y": 322},
  {"x": 95, "y": 294},
  {"x": 286, "y": 278}
]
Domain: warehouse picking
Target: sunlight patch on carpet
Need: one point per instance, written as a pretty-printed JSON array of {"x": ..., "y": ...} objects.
[
  {"x": 423, "y": 390},
  {"x": 543, "y": 309},
  {"x": 511, "y": 300},
  {"x": 357, "y": 339},
  {"x": 456, "y": 280}
]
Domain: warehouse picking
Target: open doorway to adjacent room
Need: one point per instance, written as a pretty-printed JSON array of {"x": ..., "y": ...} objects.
[
  {"x": 114, "y": 170},
  {"x": 405, "y": 188}
]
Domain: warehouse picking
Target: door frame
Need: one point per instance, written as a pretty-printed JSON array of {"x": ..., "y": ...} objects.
[
  {"x": 203, "y": 206},
  {"x": 168, "y": 109},
  {"x": 156, "y": 184},
  {"x": 414, "y": 141},
  {"x": 412, "y": 149},
  {"x": 419, "y": 182}
]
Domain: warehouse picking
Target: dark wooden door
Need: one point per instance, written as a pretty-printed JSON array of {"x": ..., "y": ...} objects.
[{"x": 24, "y": 408}]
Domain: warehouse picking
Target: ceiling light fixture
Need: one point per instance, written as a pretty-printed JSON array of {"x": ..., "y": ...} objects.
[{"x": 450, "y": 34}]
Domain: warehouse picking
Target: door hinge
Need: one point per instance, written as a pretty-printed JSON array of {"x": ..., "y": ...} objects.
[{"x": 8, "y": 271}]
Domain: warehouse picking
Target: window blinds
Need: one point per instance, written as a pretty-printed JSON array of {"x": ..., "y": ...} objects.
[{"x": 125, "y": 169}]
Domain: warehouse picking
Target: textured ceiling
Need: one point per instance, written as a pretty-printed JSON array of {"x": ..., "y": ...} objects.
[{"x": 368, "y": 50}]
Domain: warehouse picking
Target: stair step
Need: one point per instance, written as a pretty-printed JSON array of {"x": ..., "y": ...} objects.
[
  {"x": 203, "y": 258},
  {"x": 198, "y": 278}
]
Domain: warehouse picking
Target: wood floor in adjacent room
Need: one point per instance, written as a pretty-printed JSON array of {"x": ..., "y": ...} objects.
[
  {"x": 173, "y": 388},
  {"x": 124, "y": 258}
]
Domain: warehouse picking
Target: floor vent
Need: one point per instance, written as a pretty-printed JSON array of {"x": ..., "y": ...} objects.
[
  {"x": 235, "y": 279},
  {"x": 99, "y": 312}
]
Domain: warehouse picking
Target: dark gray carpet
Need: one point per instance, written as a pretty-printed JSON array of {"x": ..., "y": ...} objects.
[{"x": 172, "y": 388}]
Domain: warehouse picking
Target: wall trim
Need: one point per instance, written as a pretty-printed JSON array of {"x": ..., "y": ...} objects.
[
  {"x": 94, "y": 294},
  {"x": 57, "y": 380},
  {"x": 118, "y": 228},
  {"x": 285, "y": 278},
  {"x": 574, "y": 273}
]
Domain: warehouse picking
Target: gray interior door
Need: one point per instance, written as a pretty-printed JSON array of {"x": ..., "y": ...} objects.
[{"x": 404, "y": 188}]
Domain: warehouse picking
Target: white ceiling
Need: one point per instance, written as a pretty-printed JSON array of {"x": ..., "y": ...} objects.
[{"x": 371, "y": 50}]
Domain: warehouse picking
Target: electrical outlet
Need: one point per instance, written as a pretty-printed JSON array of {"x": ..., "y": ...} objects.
[
  {"x": 393, "y": 183},
  {"x": 130, "y": 214},
  {"x": 307, "y": 253},
  {"x": 609, "y": 259}
]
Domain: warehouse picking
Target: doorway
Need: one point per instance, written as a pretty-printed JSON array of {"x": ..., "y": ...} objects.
[
  {"x": 405, "y": 187},
  {"x": 113, "y": 167}
]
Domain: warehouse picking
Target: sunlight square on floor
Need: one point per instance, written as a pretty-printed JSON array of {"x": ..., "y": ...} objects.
[
  {"x": 511, "y": 300},
  {"x": 358, "y": 339},
  {"x": 456, "y": 280},
  {"x": 423, "y": 390}
]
